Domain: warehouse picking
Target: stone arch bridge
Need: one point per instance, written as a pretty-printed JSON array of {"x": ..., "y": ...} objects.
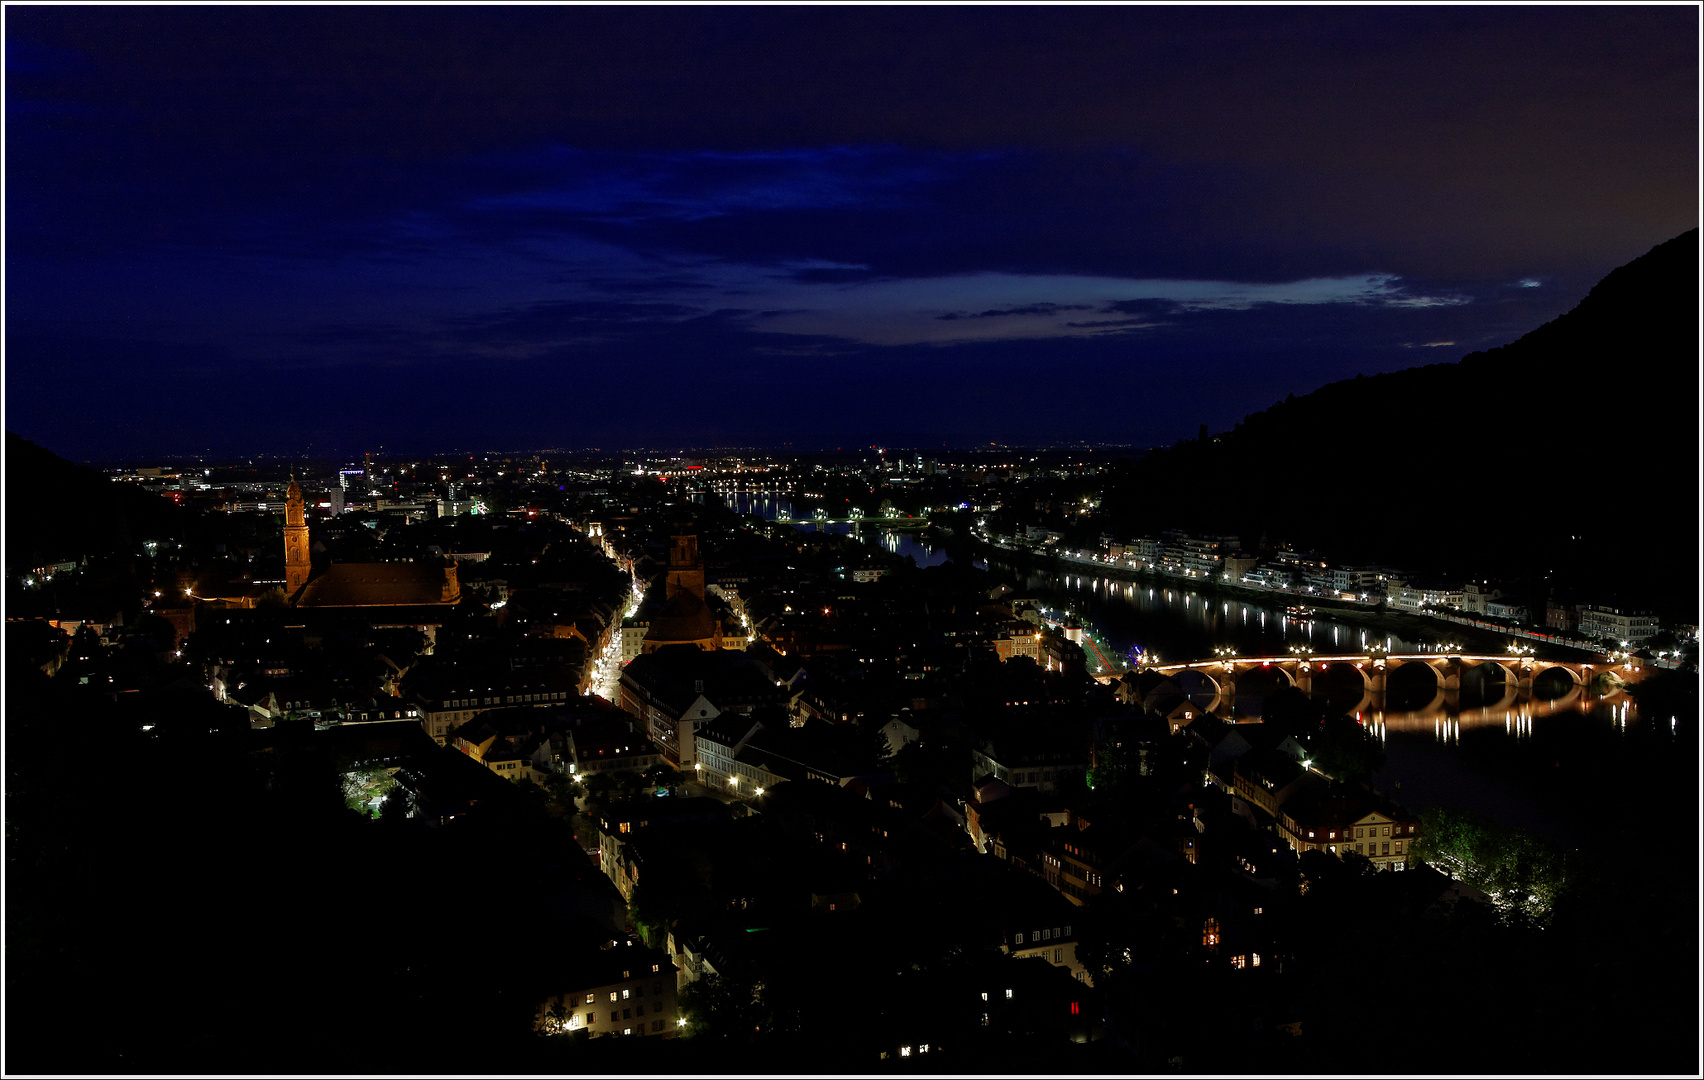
[{"x": 1519, "y": 671}]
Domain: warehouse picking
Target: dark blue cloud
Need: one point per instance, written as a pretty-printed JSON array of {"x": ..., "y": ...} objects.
[
  {"x": 1025, "y": 309},
  {"x": 338, "y": 206}
]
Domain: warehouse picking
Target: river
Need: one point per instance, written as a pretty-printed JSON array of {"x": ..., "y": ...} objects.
[{"x": 1544, "y": 764}]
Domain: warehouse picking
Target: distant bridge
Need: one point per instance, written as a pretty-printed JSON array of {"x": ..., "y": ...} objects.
[
  {"x": 901, "y": 519},
  {"x": 1219, "y": 676}
]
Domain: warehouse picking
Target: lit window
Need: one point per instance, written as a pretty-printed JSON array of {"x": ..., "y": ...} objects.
[
  {"x": 1254, "y": 959},
  {"x": 984, "y": 995},
  {"x": 905, "y": 1051},
  {"x": 1239, "y": 962},
  {"x": 1008, "y": 995}
]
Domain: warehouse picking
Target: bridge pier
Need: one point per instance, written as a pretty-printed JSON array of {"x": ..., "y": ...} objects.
[{"x": 1304, "y": 678}]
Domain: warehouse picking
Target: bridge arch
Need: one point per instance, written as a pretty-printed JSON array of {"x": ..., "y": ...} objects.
[
  {"x": 1477, "y": 673},
  {"x": 1343, "y": 674},
  {"x": 1539, "y": 667},
  {"x": 1407, "y": 664},
  {"x": 1196, "y": 683},
  {"x": 1255, "y": 679},
  {"x": 1411, "y": 682}
]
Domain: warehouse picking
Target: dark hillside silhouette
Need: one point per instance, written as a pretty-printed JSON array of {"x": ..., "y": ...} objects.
[
  {"x": 59, "y": 510},
  {"x": 1568, "y": 458}
]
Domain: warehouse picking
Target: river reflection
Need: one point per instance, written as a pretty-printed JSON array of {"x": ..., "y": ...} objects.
[{"x": 1180, "y": 623}]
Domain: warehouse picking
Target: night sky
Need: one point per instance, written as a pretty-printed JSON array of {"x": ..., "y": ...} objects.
[{"x": 329, "y": 230}]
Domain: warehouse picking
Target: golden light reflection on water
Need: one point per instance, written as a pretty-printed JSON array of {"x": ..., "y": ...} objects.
[{"x": 1445, "y": 717}]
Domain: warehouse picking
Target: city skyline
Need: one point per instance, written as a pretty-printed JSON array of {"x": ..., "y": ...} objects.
[{"x": 270, "y": 230}]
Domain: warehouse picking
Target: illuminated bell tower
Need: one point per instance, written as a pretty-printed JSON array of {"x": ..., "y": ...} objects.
[
  {"x": 686, "y": 572},
  {"x": 296, "y": 561}
]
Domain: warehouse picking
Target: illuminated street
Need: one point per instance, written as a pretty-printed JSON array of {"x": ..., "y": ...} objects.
[{"x": 606, "y": 680}]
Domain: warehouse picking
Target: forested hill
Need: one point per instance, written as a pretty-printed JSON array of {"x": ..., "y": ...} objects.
[
  {"x": 58, "y": 510},
  {"x": 1572, "y": 453}
]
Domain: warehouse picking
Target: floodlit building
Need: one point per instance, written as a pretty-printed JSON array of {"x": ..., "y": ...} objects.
[
  {"x": 426, "y": 585},
  {"x": 1340, "y": 823},
  {"x": 1615, "y": 626},
  {"x": 624, "y": 989}
]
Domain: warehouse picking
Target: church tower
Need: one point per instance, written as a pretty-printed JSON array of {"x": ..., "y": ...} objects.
[
  {"x": 686, "y": 573},
  {"x": 296, "y": 560},
  {"x": 684, "y": 618}
]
